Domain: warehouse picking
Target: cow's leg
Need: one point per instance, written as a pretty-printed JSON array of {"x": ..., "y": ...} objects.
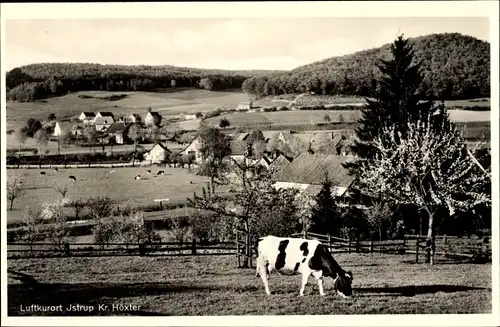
[
  {"x": 264, "y": 274},
  {"x": 319, "y": 277},
  {"x": 305, "y": 278}
]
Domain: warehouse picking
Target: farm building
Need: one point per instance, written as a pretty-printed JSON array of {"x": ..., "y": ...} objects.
[
  {"x": 117, "y": 130},
  {"x": 152, "y": 118},
  {"x": 193, "y": 149},
  {"x": 133, "y": 118},
  {"x": 244, "y": 106},
  {"x": 103, "y": 120},
  {"x": 61, "y": 128},
  {"x": 157, "y": 154},
  {"x": 187, "y": 117},
  {"x": 87, "y": 117},
  {"x": 307, "y": 172},
  {"x": 238, "y": 150}
]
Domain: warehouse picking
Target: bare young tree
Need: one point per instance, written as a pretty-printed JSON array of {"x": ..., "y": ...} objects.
[
  {"x": 61, "y": 188},
  {"x": 33, "y": 230},
  {"x": 42, "y": 138},
  {"x": 78, "y": 205},
  {"x": 14, "y": 190}
]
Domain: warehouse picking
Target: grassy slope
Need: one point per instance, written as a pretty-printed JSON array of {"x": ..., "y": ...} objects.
[
  {"x": 119, "y": 186},
  {"x": 383, "y": 284},
  {"x": 167, "y": 103}
]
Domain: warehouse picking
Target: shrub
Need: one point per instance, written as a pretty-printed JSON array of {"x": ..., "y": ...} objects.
[
  {"x": 99, "y": 207},
  {"x": 179, "y": 228}
]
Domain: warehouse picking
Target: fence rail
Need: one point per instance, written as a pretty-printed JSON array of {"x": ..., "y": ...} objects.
[{"x": 245, "y": 252}]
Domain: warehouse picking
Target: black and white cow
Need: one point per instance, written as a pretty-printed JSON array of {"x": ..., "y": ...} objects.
[{"x": 306, "y": 257}]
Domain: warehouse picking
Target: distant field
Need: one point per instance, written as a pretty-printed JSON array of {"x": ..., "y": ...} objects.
[
  {"x": 208, "y": 285},
  {"x": 168, "y": 103},
  {"x": 119, "y": 186},
  {"x": 311, "y": 100},
  {"x": 304, "y": 117}
]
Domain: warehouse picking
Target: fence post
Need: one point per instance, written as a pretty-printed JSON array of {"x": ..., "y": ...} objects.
[
  {"x": 417, "y": 244},
  {"x": 349, "y": 245},
  {"x": 357, "y": 245},
  {"x": 67, "y": 250},
  {"x": 238, "y": 248},
  {"x": 193, "y": 246},
  {"x": 329, "y": 243},
  {"x": 142, "y": 249},
  {"x": 304, "y": 232},
  {"x": 371, "y": 246},
  {"x": 445, "y": 245}
]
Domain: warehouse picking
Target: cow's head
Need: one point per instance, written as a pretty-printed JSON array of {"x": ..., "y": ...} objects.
[{"x": 343, "y": 284}]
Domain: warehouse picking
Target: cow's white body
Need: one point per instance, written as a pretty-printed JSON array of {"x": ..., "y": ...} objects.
[{"x": 296, "y": 255}]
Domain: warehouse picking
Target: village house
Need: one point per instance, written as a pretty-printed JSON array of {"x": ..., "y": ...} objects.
[
  {"x": 61, "y": 128},
  {"x": 152, "y": 118},
  {"x": 193, "y": 149},
  {"x": 87, "y": 117},
  {"x": 244, "y": 106},
  {"x": 103, "y": 120},
  {"x": 187, "y": 117},
  {"x": 307, "y": 173},
  {"x": 134, "y": 119},
  {"x": 157, "y": 154},
  {"x": 117, "y": 131}
]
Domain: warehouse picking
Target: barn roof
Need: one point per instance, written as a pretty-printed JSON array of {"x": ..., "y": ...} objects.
[
  {"x": 310, "y": 169},
  {"x": 164, "y": 147},
  {"x": 106, "y": 113},
  {"x": 117, "y": 127},
  {"x": 154, "y": 114},
  {"x": 89, "y": 114},
  {"x": 237, "y": 148}
]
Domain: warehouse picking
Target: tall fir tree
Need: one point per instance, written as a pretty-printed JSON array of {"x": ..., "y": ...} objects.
[
  {"x": 398, "y": 101},
  {"x": 324, "y": 214}
]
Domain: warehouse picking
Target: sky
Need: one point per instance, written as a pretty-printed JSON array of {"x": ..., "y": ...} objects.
[{"x": 246, "y": 43}]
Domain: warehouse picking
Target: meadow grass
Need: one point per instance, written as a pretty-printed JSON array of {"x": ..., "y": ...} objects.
[
  {"x": 168, "y": 103},
  {"x": 383, "y": 284},
  {"x": 120, "y": 186}
]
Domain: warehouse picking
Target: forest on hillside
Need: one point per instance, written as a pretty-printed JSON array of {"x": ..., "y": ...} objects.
[
  {"x": 454, "y": 66},
  {"x": 38, "y": 81}
]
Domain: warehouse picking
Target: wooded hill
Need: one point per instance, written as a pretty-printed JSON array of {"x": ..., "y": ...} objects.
[
  {"x": 37, "y": 81},
  {"x": 454, "y": 66}
]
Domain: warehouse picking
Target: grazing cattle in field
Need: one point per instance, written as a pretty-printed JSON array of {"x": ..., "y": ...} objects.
[
  {"x": 72, "y": 178},
  {"x": 56, "y": 169},
  {"x": 148, "y": 171},
  {"x": 190, "y": 182},
  {"x": 161, "y": 172},
  {"x": 112, "y": 171},
  {"x": 137, "y": 177},
  {"x": 42, "y": 173},
  {"x": 306, "y": 257}
]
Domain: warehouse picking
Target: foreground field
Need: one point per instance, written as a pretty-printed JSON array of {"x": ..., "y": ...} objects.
[
  {"x": 383, "y": 284},
  {"x": 119, "y": 185}
]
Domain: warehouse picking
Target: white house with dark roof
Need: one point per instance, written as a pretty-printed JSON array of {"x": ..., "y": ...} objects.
[
  {"x": 103, "y": 120},
  {"x": 157, "y": 154},
  {"x": 87, "y": 117},
  {"x": 152, "y": 118}
]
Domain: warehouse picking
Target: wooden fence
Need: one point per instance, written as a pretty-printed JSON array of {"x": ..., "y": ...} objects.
[
  {"x": 51, "y": 250},
  {"x": 243, "y": 248}
]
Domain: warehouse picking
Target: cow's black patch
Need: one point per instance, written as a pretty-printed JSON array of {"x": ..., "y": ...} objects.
[
  {"x": 323, "y": 260},
  {"x": 304, "y": 249},
  {"x": 296, "y": 266},
  {"x": 303, "y": 260},
  {"x": 280, "y": 259}
]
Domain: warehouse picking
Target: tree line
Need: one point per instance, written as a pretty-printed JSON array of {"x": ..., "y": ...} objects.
[
  {"x": 453, "y": 66},
  {"x": 38, "y": 81}
]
